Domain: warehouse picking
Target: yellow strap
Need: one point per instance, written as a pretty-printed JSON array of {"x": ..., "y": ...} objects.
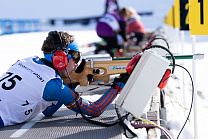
[{"x": 73, "y": 102}]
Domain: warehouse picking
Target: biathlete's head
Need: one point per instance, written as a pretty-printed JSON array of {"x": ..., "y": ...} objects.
[{"x": 69, "y": 47}]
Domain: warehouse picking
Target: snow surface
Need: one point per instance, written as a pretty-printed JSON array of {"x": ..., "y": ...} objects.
[{"x": 17, "y": 46}]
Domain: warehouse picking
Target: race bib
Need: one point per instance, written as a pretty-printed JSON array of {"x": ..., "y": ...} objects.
[{"x": 111, "y": 21}]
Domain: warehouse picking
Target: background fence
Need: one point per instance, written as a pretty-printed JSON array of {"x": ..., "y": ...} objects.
[{"x": 8, "y": 26}]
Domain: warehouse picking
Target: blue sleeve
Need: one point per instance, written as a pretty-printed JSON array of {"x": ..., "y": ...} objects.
[
  {"x": 55, "y": 90},
  {"x": 52, "y": 109}
]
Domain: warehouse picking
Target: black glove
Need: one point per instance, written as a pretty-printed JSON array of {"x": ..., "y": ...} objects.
[
  {"x": 123, "y": 78},
  {"x": 73, "y": 85}
]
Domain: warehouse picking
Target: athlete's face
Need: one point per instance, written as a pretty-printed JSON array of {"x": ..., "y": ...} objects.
[{"x": 70, "y": 67}]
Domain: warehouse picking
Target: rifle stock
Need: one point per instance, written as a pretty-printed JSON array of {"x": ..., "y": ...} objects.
[{"x": 105, "y": 68}]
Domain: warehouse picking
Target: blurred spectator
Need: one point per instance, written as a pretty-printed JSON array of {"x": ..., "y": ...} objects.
[
  {"x": 109, "y": 26},
  {"x": 135, "y": 27},
  {"x": 111, "y": 6}
]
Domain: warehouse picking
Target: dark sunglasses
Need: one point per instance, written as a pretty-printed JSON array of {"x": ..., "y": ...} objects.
[{"x": 76, "y": 55}]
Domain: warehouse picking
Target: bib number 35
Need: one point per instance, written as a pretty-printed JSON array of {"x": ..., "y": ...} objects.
[{"x": 9, "y": 81}]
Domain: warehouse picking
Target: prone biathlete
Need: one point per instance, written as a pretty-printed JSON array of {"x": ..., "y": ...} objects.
[{"x": 34, "y": 85}]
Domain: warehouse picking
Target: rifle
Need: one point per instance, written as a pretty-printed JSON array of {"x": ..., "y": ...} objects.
[
  {"x": 93, "y": 66},
  {"x": 95, "y": 69}
]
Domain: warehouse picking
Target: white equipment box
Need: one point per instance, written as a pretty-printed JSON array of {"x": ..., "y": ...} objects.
[{"x": 143, "y": 81}]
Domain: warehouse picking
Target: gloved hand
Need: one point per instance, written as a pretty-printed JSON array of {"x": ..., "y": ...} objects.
[
  {"x": 73, "y": 85},
  {"x": 123, "y": 78},
  {"x": 117, "y": 83}
]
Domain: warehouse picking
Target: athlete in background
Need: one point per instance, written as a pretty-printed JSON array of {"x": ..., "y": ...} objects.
[
  {"x": 111, "y": 6},
  {"x": 34, "y": 85},
  {"x": 135, "y": 27},
  {"x": 109, "y": 26}
]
